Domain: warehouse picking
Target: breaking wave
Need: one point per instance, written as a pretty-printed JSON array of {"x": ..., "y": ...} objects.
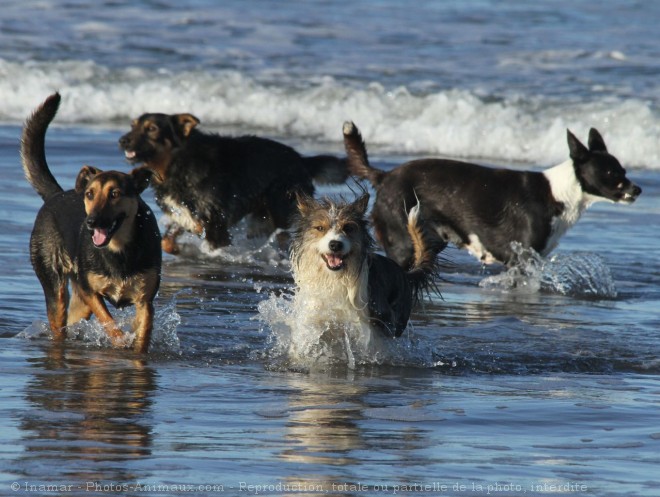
[{"x": 453, "y": 122}]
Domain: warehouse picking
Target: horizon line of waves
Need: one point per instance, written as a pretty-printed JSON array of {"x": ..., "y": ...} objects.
[{"x": 450, "y": 122}]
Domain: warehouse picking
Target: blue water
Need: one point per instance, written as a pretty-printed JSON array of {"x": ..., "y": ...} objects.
[{"x": 539, "y": 380}]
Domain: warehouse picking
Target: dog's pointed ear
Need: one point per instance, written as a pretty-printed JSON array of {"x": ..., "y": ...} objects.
[
  {"x": 305, "y": 203},
  {"x": 579, "y": 153},
  {"x": 596, "y": 142},
  {"x": 141, "y": 177},
  {"x": 184, "y": 124},
  {"x": 362, "y": 204},
  {"x": 84, "y": 177}
]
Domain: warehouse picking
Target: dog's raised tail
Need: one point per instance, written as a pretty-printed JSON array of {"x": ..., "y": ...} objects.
[
  {"x": 356, "y": 156},
  {"x": 424, "y": 269},
  {"x": 33, "y": 148}
]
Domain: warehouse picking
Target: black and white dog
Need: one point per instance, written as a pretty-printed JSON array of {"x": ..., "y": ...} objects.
[{"x": 485, "y": 209}]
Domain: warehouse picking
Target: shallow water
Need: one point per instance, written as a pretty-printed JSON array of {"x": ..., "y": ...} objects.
[
  {"x": 540, "y": 380},
  {"x": 505, "y": 380}
]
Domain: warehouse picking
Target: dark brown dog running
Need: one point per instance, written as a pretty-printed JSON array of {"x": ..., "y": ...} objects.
[
  {"x": 101, "y": 237},
  {"x": 206, "y": 183}
]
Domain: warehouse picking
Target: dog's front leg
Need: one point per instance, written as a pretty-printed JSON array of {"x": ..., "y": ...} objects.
[
  {"x": 99, "y": 309},
  {"x": 142, "y": 326},
  {"x": 168, "y": 242}
]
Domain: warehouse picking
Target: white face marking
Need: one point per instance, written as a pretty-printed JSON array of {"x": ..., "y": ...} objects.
[
  {"x": 336, "y": 236},
  {"x": 334, "y": 246}
]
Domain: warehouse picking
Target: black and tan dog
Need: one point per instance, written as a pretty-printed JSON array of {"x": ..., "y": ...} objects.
[
  {"x": 101, "y": 237},
  {"x": 207, "y": 183}
]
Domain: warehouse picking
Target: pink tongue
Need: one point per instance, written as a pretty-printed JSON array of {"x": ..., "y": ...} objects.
[
  {"x": 333, "y": 260},
  {"x": 99, "y": 236}
]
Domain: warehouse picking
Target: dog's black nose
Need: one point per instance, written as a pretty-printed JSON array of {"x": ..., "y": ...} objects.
[
  {"x": 335, "y": 245},
  {"x": 91, "y": 222}
]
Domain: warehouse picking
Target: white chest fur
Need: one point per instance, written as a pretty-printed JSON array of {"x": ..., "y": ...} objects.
[{"x": 566, "y": 188}]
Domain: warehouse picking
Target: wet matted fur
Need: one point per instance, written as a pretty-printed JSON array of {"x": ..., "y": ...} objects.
[{"x": 332, "y": 257}]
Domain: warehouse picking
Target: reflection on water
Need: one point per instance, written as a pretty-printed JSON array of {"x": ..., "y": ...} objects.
[
  {"x": 330, "y": 432},
  {"x": 90, "y": 410},
  {"x": 323, "y": 420}
]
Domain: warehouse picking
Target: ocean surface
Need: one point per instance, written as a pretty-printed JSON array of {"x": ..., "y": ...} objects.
[{"x": 539, "y": 380}]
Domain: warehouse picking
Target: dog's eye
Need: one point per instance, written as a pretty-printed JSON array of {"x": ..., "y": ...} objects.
[
  {"x": 152, "y": 129},
  {"x": 115, "y": 194},
  {"x": 319, "y": 228},
  {"x": 89, "y": 195},
  {"x": 349, "y": 228}
]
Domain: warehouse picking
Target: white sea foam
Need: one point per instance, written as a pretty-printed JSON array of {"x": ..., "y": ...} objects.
[{"x": 395, "y": 121}]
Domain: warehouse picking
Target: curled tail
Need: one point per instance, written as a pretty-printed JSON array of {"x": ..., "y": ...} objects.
[
  {"x": 424, "y": 269},
  {"x": 33, "y": 149},
  {"x": 326, "y": 169},
  {"x": 356, "y": 156}
]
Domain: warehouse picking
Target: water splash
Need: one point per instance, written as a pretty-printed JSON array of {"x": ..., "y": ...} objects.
[
  {"x": 300, "y": 339},
  {"x": 164, "y": 339},
  {"x": 576, "y": 274},
  {"x": 261, "y": 251}
]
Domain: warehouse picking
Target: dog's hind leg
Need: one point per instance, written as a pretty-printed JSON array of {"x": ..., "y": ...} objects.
[
  {"x": 217, "y": 236},
  {"x": 57, "y": 297},
  {"x": 56, "y": 292},
  {"x": 142, "y": 326}
]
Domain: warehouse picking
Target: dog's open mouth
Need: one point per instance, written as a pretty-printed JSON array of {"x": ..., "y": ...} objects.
[
  {"x": 335, "y": 262},
  {"x": 130, "y": 154},
  {"x": 102, "y": 236},
  {"x": 628, "y": 197}
]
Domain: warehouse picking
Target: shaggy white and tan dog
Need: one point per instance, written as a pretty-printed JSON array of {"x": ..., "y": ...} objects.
[{"x": 343, "y": 283}]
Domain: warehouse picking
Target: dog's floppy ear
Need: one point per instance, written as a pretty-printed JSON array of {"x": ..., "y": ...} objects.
[
  {"x": 361, "y": 204},
  {"x": 305, "y": 203},
  {"x": 141, "y": 177},
  {"x": 84, "y": 177},
  {"x": 185, "y": 123},
  {"x": 596, "y": 142},
  {"x": 579, "y": 153}
]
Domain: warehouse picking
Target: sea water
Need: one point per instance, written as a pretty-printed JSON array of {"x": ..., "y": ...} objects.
[{"x": 537, "y": 379}]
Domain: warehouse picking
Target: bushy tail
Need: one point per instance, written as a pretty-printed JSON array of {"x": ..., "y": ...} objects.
[
  {"x": 424, "y": 270},
  {"x": 33, "y": 149},
  {"x": 326, "y": 169},
  {"x": 356, "y": 156}
]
